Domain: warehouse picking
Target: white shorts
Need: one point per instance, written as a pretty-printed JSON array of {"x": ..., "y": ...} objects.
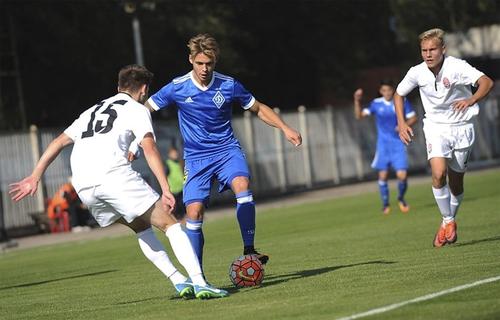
[
  {"x": 453, "y": 142},
  {"x": 123, "y": 194}
]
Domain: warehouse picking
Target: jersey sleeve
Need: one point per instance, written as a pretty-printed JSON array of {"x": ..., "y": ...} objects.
[
  {"x": 408, "y": 109},
  {"x": 468, "y": 74},
  {"x": 369, "y": 110},
  {"x": 408, "y": 83},
  {"x": 74, "y": 131},
  {"x": 142, "y": 124},
  {"x": 163, "y": 98},
  {"x": 242, "y": 96}
]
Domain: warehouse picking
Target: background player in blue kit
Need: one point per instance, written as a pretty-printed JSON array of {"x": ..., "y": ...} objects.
[
  {"x": 204, "y": 99},
  {"x": 391, "y": 152}
]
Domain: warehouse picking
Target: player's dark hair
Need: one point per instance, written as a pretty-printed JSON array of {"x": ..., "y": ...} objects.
[
  {"x": 387, "y": 82},
  {"x": 133, "y": 76}
]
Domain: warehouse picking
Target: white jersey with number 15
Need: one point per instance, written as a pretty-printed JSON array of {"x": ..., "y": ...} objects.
[{"x": 102, "y": 136}]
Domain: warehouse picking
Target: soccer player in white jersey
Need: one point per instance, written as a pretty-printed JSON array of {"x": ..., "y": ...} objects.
[
  {"x": 113, "y": 191},
  {"x": 445, "y": 89},
  {"x": 391, "y": 152},
  {"x": 204, "y": 99}
]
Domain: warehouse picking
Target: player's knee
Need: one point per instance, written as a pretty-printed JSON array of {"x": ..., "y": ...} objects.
[
  {"x": 240, "y": 184},
  {"x": 161, "y": 218},
  {"x": 438, "y": 179},
  {"x": 194, "y": 211},
  {"x": 401, "y": 175}
]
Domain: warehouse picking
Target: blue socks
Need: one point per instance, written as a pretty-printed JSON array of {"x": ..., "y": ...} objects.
[
  {"x": 245, "y": 212},
  {"x": 402, "y": 186},
  {"x": 384, "y": 192},
  {"x": 195, "y": 235}
]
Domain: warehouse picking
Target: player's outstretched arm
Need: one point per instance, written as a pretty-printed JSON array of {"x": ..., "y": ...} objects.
[
  {"x": 357, "y": 97},
  {"x": 29, "y": 185},
  {"x": 405, "y": 131},
  {"x": 270, "y": 117},
  {"x": 155, "y": 163}
]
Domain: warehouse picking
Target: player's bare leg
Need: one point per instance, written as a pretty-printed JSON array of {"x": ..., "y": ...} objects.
[
  {"x": 402, "y": 187},
  {"x": 245, "y": 212},
  {"x": 383, "y": 176}
]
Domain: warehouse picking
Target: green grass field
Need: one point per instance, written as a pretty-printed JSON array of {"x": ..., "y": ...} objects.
[{"x": 328, "y": 260}]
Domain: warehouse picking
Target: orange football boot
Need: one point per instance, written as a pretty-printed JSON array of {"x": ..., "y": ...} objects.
[
  {"x": 440, "y": 238},
  {"x": 403, "y": 206},
  {"x": 451, "y": 232}
]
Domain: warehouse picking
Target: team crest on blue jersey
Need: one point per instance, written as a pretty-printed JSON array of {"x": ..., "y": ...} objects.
[{"x": 218, "y": 99}]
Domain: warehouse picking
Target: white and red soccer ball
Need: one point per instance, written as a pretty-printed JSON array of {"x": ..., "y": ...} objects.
[{"x": 246, "y": 271}]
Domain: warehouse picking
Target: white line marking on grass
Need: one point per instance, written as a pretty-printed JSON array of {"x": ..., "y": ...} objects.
[{"x": 419, "y": 299}]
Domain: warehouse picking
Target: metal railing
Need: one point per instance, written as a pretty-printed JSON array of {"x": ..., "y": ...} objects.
[{"x": 336, "y": 149}]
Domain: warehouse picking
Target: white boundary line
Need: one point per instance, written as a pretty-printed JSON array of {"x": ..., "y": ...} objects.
[{"x": 419, "y": 299}]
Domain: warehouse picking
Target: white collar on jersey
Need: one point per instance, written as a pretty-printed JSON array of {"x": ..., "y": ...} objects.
[{"x": 198, "y": 85}]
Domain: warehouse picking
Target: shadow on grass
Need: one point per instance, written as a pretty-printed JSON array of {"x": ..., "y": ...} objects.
[
  {"x": 144, "y": 300},
  {"x": 472, "y": 242},
  {"x": 31, "y": 284},
  {"x": 272, "y": 280}
]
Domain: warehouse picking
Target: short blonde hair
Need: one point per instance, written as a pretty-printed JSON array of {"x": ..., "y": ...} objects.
[
  {"x": 203, "y": 43},
  {"x": 435, "y": 33}
]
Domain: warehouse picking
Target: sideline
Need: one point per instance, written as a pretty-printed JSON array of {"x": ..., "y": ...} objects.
[
  {"x": 419, "y": 299},
  {"x": 284, "y": 201}
]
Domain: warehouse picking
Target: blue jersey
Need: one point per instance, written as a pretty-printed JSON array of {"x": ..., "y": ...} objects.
[
  {"x": 204, "y": 113},
  {"x": 386, "y": 120}
]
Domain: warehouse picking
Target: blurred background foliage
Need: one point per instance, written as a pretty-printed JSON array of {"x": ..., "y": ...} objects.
[{"x": 286, "y": 53}]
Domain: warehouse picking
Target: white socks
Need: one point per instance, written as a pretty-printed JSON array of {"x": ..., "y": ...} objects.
[
  {"x": 184, "y": 252},
  {"x": 455, "y": 202},
  {"x": 442, "y": 196},
  {"x": 155, "y": 252},
  {"x": 447, "y": 202}
]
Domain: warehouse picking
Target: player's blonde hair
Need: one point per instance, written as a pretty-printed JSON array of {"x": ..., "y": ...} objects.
[
  {"x": 435, "y": 33},
  {"x": 203, "y": 43}
]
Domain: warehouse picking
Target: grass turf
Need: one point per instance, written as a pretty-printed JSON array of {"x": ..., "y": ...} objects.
[{"x": 328, "y": 260}]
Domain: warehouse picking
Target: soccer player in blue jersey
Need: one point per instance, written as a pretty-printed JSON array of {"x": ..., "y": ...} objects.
[
  {"x": 204, "y": 99},
  {"x": 391, "y": 152}
]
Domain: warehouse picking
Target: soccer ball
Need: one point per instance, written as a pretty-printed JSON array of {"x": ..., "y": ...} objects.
[{"x": 246, "y": 271}]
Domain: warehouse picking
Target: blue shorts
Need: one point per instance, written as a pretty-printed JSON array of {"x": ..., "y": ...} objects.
[
  {"x": 200, "y": 173},
  {"x": 392, "y": 155}
]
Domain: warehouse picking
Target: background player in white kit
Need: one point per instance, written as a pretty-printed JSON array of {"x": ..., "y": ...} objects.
[
  {"x": 445, "y": 89},
  {"x": 113, "y": 191}
]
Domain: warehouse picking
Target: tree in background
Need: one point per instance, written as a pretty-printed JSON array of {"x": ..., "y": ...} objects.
[{"x": 309, "y": 51}]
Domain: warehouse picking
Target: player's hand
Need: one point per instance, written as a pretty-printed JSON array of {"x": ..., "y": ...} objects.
[
  {"x": 19, "y": 190},
  {"x": 358, "y": 94},
  {"x": 168, "y": 201},
  {"x": 462, "y": 105},
  {"x": 293, "y": 136},
  {"x": 405, "y": 133},
  {"x": 131, "y": 156}
]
